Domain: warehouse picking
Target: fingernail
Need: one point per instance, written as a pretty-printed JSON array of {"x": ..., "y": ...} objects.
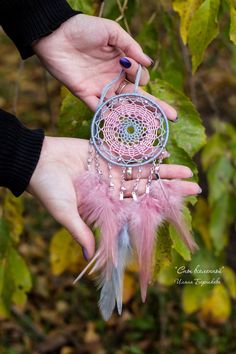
[
  {"x": 85, "y": 254},
  {"x": 175, "y": 120},
  {"x": 199, "y": 190},
  {"x": 125, "y": 63},
  {"x": 150, "y": 59}
]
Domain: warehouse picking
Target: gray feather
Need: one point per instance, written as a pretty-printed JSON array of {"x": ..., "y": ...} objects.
[{"x": 112, "y": 289}]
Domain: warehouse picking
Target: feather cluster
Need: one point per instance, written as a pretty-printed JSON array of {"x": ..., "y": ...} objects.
[{"x": 127, "y": 229}]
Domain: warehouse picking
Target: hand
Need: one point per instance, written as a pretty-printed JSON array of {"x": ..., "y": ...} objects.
[
  {"x": 84, "y": 52},
  {"x": 62, "y": 160}
]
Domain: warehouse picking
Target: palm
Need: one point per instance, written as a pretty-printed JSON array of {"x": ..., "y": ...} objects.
[{"x": 61, "y": 162}]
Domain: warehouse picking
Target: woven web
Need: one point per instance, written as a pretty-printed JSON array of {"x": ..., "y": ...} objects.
[{"x": 129, "y": 130}]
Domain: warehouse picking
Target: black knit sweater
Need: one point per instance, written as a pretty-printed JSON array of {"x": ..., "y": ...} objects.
[{"x": 25, "y": 21}]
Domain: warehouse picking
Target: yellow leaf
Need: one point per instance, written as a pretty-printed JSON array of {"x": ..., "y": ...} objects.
[
  {"x": 132, "y": 267},
  {"x": 203, "y": 29},
  {"x": 19, "y": 297},
  {"x": 201, "y": 219},
  {"x": 4, "y": 312},
  {"x": 186, "y": 10},
  {"x": 216, "y": 308},
  {"x": 232, "y": 31},
  {"x": 67, "y": 350},
  {"x": 13, "y": 210},
  {"x": 230, "y": 281},
  {"x": 129, "y": 287},
  {"x": 65, "y": 253},
  {"x": 167, "y": 276},
  {"x": 91, "y": 336},
  {"x": 192, "y": 297}
]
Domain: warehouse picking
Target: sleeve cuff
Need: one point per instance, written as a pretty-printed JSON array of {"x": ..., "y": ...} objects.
[
  {"x": 19, "y": 155},
  {"x": 34, "y": 19}
]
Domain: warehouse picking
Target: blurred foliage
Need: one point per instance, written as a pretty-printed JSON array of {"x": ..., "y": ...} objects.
[
  {"x": 191, "y": 304},
  {"x": 15, "y": 279}
]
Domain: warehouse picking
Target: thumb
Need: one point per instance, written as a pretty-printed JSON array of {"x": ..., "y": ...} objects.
[
  {"x": 80, "y": 232},
  {"x": 119, "y": 38}
]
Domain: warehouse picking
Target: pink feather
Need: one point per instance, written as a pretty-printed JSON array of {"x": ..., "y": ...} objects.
[
  {"x": 145, "y": 217},
  {"x": 170, "y": 198},
  {"x": 100, "y": 209}
]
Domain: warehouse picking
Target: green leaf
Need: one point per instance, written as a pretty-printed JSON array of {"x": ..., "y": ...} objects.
[
  {"x": 214, "y": 148},
  {"x": 229, "y": 277},
  {"x": 178, "y": 243},
  {"x": 203, "y": 29},
  {"x": 168, "y": 275},
  {"x": 232, "y": 31},
  {"x": 188, "y": 133},
  {"x": 222, "y": 215},
  {"x": 180, "y": 157},
  {"x": 219, "y": 176},
  {"x": 15, "y": 279},
  {"x": 186, "y": 10},
  {"x": 201, "y": 262},
  {"x": 162, "y": 250},
  {"x": 5, "y": 238},
  {"x": 20, "y": 276},
  {"x": 201, "y": 220},
  {"x": 85, "y": 6},
  {"x": 75, "y": 118}
]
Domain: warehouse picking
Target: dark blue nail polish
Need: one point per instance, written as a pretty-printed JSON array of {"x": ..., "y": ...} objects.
[
  {"x": 125, "y": 63},
  {"x": 151, "y": 60},
  {"x": 85, "y": 254},
  {"x": 176, "y": 120}
]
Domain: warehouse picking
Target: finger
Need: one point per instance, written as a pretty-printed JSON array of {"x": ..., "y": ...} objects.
[
  {"x": 91, "y": 102},
  {"x": 165, "y": 171},
  {"x": 169, "y": 111},
  {"x": 79, "y": 230},
  {"x": 130, "y": 67},
  {"x": 119, "y": 38},
  {"x": 184, "y": 188}
]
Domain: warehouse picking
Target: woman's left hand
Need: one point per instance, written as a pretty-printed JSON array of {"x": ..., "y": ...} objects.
[{"x": 84, "y": 53}]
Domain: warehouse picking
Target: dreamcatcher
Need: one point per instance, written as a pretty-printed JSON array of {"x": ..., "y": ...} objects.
[{"x": 128, "y": 130}]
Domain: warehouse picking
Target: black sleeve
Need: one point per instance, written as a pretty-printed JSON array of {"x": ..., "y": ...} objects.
[
  {"x": 25, "y": 21},
  {"x": 20, "y": 149}
]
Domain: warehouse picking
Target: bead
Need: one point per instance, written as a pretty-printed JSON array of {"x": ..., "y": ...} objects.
[
  {"x": 134, "y": 195},
  {"x": 147, "y": 189}
]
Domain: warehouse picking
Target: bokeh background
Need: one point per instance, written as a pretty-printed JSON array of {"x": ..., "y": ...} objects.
[{"x": 182, "y": 313}]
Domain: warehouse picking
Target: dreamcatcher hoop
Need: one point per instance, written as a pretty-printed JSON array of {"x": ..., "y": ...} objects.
[{"x": 129, "y": 129}]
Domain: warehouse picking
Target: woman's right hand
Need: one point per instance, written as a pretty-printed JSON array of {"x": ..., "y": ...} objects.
[{"x": 61, "y": 162}]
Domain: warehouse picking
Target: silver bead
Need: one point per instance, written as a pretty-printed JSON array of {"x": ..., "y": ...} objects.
[
  {"x": 134, "y": 195},
  {"x": 147, "y": 189}
]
